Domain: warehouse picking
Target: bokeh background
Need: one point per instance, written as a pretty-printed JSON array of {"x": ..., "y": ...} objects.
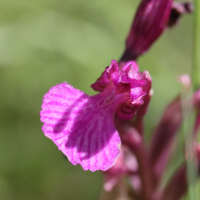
[{"x": 46, "y": 42}]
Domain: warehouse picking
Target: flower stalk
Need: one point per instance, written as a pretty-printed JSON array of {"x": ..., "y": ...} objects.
[{"x": 196, "y": 57}]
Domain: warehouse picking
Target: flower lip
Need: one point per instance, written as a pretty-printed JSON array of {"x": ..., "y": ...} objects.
[{"x": 73, "y": 121}]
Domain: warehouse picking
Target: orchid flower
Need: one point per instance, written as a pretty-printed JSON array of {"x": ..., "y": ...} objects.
[{"x": 82, "y": 126}]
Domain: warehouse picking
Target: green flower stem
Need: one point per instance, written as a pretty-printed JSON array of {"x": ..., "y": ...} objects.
[
  {"x": 189, "y": 117},
  {"x": 196, "y": 58}
]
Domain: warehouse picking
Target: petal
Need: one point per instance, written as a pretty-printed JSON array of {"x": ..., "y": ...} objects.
[
  {"x": 82, "y": 126},
  {"x": 125, "y": 111},
  {"x": 127, "y": 80},
  {"x": 149, "y": 92},
  {"x": 136, "y": 93},
  {"x": 101, "y": 82},
  {"x": 111, "y": 72},
  {"x": 130, "y": 64}
]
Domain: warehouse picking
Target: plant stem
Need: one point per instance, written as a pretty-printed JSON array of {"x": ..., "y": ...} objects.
[
  {"x": 188, "y": 122},
  {"x": 196, "y": 58}
]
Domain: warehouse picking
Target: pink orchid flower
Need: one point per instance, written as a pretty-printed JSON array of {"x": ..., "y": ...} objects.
[{"x": 82, "y": 126}]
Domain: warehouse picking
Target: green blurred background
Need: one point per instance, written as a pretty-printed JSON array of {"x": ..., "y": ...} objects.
[{"x": 46, "y": 42}]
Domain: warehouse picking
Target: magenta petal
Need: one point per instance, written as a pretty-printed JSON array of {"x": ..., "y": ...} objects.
[
  {"x": 111, "y": 72},
  {"x": 130, "y": 64},
  {"x": 82, "y": 126},
  {"x": 101, "y": 82}
]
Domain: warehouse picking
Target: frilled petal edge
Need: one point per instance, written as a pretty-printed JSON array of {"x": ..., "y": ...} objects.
[{"x": 81, "y": 126}]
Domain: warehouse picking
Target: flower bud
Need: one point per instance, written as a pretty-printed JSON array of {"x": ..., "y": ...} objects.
[{"x": 149, "y": 22}]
